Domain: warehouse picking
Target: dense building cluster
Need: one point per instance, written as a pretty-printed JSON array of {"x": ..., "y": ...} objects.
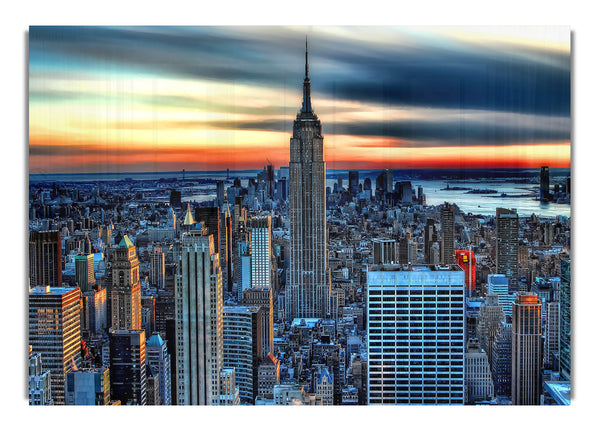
[{"x": 274, "y": 289}]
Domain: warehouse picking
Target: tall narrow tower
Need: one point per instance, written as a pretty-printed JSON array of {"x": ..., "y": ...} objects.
[
  {"x": 309, "y": 281},
  {"x": 125, "y": 296}
]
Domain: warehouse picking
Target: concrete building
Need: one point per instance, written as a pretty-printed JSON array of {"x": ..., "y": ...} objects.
[
  {"x": 447, "y": 249},
  {"x": 88, "y": 387},
  {"x": 94, "y": 311},
  {"x": 565, "y": 320},
  {"x": 526, "y": 350},
  {"x": 45, "y": 258},
  {"x": 552, "y": 336},
  {"x": 385, "y": 251},
  {"x": 199, "y": 320},
  {"x": 125, "y": 293},
  {"x": 268, "y": 376},
  {"x": 242, "y": 347},
  {"x": 507, "y": 245},
  {"x": 128, "y": 367},
  {"x": 228, "y": 391},
  {"x": 157, "y": 268},
  {"x": 490, "y": 312},
  {"x": 309, "y": 280},
  {"x": 54, "y": 332},
  {"x": 324, "y": 386},
  {"x": 159, "y": 360},
  {"x": 501, "y": 358},
  {"x": 498, "y": 285},
  {"x": 415, "y": 334},
  {"x": 263, "y": 297},
  {"x": 260, "y": 234},
  {"x": 478, "y": 377},
  {"x": 84, "y": 271},
  {"x": 40, "y": 390}
]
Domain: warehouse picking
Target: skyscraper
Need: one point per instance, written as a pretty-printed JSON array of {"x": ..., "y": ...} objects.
[
  {"x": 544, "y": 183},
  {"x": 54, "y": 332},
  {"x": 128, "y": 377},
  {"x": 157, "y": 268},
  {"x": 565, "y": 319},
  {"x": 501, "y": 358},
  {"x": 40, "y": 389},
  {"x": 199, "y": 321},
  {"x": 242, "y": 347},
  {"x": 158, "y": 358},
  {"x": 125, "y": 295},
  {"x": 263, "y": 297},
  {"x": 526, "y": 350},
  {"x": 467, "y": 261},
  {"x": 260, "y": 231},
  {"x": 309, "y": 281},
  {"x": 430, "y": 237},
  {"x": 447, "y": 234},
  {"x": 84, "y": 271},
  {"x": 353, "y": 182},
  {"x": 507, "y": 245},
  {"x": 415, "y": 334},
  {"x": 45, "y": 258}
]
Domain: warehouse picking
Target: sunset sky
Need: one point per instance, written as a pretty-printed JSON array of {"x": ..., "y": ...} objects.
[{"x": 128, "y": 99}]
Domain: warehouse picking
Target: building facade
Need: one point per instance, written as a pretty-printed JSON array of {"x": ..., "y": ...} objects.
[
  {"x": 45, "y": 258},
  {"x": 447, "y": 252},
  {"x": 261, "y": 257},
  {"x": 158, "y": 358},
  {"x": 309, "y": 281},
  {"x": 128, "y": 379},
  {"x": 526, "y": 350},
  {"x": 199, "y": 321},
  {"x": 88, "y": 387},
  {"x": 125, "y": 294},
  {"x": 507, "y": 245},
  {"x": 55, "y": 333},
  {"x": 242, "y": 347},
  {"x": 415, "y": 332}
]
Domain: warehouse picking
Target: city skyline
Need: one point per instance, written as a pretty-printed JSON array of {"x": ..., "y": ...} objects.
[{"x": 134, "y": 99}]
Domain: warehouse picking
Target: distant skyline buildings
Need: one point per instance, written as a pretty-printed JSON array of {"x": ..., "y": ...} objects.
[{"x": 371, "y": 119}]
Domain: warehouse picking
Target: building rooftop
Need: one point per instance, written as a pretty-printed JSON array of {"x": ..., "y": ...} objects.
[
  {"x": 560, "y": 392},
  {"x": 125, "y": 242},
  {"x": 51, "y": 290},
  {"x": 422, "y": 268}
]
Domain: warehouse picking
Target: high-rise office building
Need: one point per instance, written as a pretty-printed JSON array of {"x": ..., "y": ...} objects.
[
  {"x": 430, "y": 238},
  {"x": 218, "y": 224},
  {"x": 263, "y": 297},
  {"x": 40, "y": 388},
  {"x": 125, "y": 293},
  {"x": 385, "y": 251},
  {"x": 242, "y": 347},
  {"x": 415, "y": 333},
  {"x": 490, "y": 312},
  {"x": 199, "y": 320},
  {"x": 94, "y": 311},
  {"x": 229, "y": 393},
  {"x": 467, "y": 261},
  {"x": 544, "y": 183},
  {"x": 507, "y": 245},
  {"x": 353, "y": 182},
  {"x": 565, "y": 320},
  {"x": 551, "y": 335},
  {"x": 260, "y": 234},
  {"x": 128, "y": 366},
  {"x": 157, "y": 268},
  {"x": 309, "y": 281},
  {"x": 88, "y": 387},
  {"x": 45, "y": 258},
  {"x": 268, "y": 375},
  {"x": 501, "y": 358},
  {"x": 447, "y": 234},
  {"x": 479, "y": 384},
  {"x": 498, "y": 285},
  {"x": 84, "y": 271},
  {"x": 159, "y": 360},
  {"x": 526, "y": 350},
  {"x": 54, "y": 332}
]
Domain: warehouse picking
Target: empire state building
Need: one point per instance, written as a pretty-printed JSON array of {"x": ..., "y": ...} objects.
[{"x": 308, "y": 283}]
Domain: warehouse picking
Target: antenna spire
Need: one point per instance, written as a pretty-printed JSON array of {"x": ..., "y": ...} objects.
[{"x": 306, "y": 59}]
